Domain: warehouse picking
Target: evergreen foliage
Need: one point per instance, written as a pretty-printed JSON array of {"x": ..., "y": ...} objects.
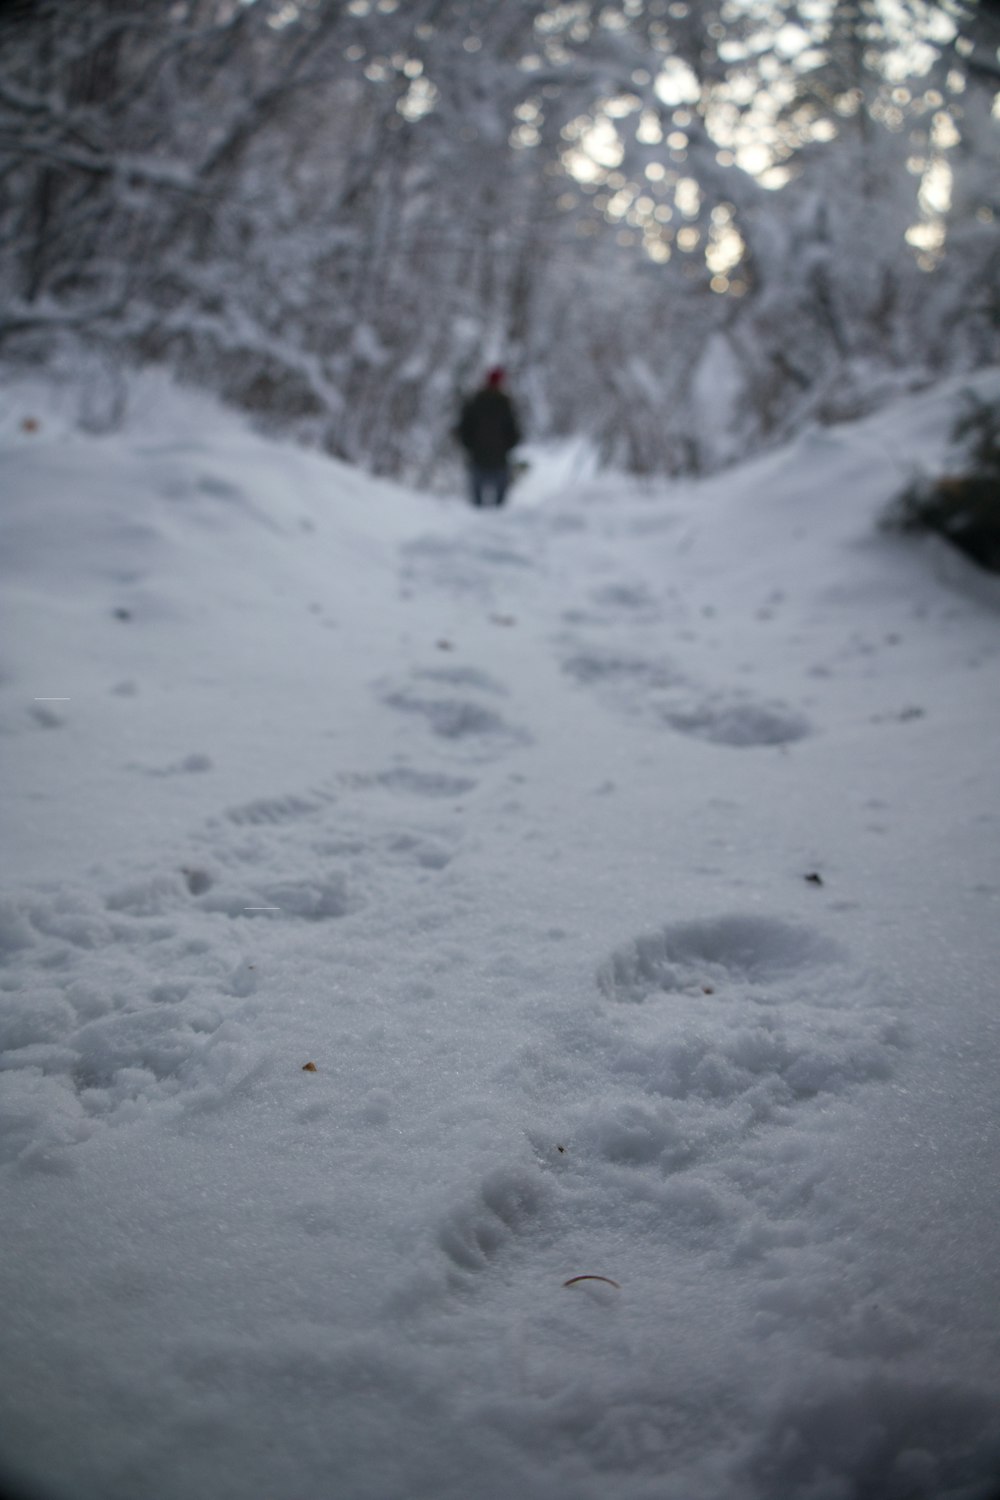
[{"x": 962, "y": 506}]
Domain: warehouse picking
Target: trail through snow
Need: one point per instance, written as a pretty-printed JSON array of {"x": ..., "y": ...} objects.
[{"x": 625, "y": 863}]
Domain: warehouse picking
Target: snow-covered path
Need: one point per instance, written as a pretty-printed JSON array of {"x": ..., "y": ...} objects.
[{"x": 506, "y": 823}]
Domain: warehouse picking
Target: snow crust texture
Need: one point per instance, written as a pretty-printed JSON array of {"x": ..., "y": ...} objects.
[{"x": 493, "y": 1005}]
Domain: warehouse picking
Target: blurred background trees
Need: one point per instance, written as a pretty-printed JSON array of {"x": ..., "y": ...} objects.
[{"x": 686, "y": 228}]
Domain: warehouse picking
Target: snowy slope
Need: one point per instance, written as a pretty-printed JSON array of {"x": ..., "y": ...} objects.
[{"x": 504, "y": 823}]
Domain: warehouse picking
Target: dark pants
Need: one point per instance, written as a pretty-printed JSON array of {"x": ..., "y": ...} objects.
[{"x": 489, "y": 486}]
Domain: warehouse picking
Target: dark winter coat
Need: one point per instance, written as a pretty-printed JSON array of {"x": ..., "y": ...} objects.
[{"x": 488, "y": 428}]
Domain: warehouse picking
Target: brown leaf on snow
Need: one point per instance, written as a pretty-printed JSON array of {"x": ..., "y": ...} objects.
[{"x": 309, "y": 1067}]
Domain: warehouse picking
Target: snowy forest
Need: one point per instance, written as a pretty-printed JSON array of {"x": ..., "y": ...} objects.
[
  {"x": 686, "y": 228},
  {"x": 499, "y": 1002}
]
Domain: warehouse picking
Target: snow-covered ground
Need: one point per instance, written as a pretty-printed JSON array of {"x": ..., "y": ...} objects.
[{"x": 627, "y": 865}]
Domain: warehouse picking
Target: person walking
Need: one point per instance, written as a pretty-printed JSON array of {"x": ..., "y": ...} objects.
[{"x": 488, "y": 430}]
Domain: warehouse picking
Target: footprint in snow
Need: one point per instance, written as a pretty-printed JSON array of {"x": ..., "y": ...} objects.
[
  {"x": 463, "y": 569},
  {"x": 412, "y": 782},
  {"x": 748, "y": 950},
  {"x": 506, "y": 1205},
  {"x": 627, "y": 676},
  {"x": 656, "y": 690},
  {"x": 624, "y": 599},
  {"x": 738, "y": 719},
  {"x": 745, "y": 1006},
  {"x": 461, "y": 719},
  {"x": 264, "y": 811},
  {"x": 712, "y": 1032},
  {"x": 117, "y": 998}
]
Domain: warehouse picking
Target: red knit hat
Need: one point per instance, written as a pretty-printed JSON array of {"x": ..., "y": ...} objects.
[{"x": 496, "y": 376}]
